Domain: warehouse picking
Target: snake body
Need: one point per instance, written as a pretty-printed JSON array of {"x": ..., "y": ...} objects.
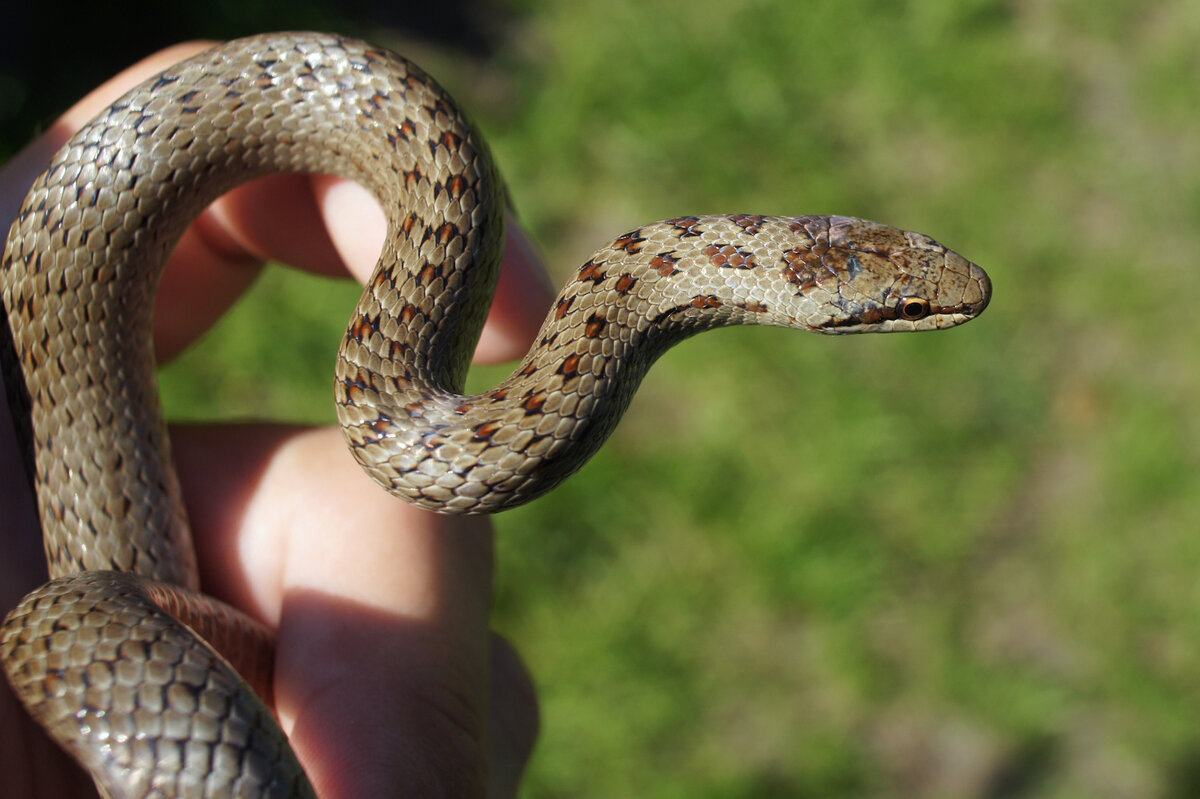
[{"x": 106, "y": 655}]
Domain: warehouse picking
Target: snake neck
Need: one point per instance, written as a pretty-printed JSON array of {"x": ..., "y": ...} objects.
[{"x": 414, "y": 432}]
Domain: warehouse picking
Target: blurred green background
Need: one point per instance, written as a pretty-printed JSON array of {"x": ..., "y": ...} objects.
[{"x": 952, "y": 565}]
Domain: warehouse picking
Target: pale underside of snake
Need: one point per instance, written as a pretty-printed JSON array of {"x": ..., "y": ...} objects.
[{"x": 106, "y": 656}]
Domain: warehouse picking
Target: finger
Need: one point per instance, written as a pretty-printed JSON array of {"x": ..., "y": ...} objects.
[
  {"x": 522, "y": 300},
  {"x": 383, "y": 665},
  {"x": 333, "y": 226},
  {"x": 329, "y": 226},
  {"x": 514, "y": 723},
  {"x": 356, "y": 228}
]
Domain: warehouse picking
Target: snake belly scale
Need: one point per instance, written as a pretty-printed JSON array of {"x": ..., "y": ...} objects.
[{"x": 108, "y": 656}]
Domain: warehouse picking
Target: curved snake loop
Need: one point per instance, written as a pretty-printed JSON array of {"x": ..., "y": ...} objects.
[{"x": 106, "y": 656}]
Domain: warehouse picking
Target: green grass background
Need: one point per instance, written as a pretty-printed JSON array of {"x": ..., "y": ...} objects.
[{"x": 952, "y": 565}]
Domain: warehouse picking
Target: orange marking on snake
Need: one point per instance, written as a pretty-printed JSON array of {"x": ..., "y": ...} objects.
[
  {"x": 591, "y": 271},
  {"x": 595, "y": 326},
  {"x": 563, "y": 305},
  {"x": 665, "y": 264},
  {"x": 727, "y": 255},
  {"x": 570, "y": 366},
  {"x": 486, "y": 430}
]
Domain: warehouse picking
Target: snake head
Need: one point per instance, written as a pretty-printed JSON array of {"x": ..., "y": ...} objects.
[{"x": 880, "y": 279}]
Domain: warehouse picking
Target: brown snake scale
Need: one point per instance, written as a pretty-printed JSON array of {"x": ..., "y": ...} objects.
[{"x": 106, "y": 656}]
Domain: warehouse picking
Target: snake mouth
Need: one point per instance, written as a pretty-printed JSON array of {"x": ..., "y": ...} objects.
[{"x": 914, "y": 313}]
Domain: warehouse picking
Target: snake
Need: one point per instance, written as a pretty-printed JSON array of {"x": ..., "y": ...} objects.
[{"x": 155, "y": 688}]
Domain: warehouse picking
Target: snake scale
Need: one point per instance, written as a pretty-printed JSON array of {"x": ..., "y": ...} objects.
[{"x": 106, "y": 656}]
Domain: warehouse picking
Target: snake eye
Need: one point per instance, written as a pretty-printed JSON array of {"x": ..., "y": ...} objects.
[{"x": 913, "y": 308}]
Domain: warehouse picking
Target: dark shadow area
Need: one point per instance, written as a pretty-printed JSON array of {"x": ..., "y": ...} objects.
[
  {"x": 1184, "y": 775},
  {"x": 51, "y": 55},
  {"x": 1026, "y": 771}
]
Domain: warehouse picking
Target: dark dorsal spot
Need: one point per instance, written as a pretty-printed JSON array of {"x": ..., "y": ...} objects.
[
  {"x": 591, "y": 271},
  {"x": 381, "y": 279},
  {"x": 428, "y": 274},
  {"x": 685, "y": 225},
  {"x": 439, "y": 108},
  {"x": 570, "y": 367},
  {"x": 751, "y": 223},
  {"x": 167, "y": 80},
  {"x": 396, "y": 350},
  {"x": 665, "y": 264},
  {"x": 813, "y": 225},
  {"x": 595, "y": 326},
  {"x": 354, "y": 388},
  {"x": 626, "y": 283},
  {"x": 630, "y": 242},
  {"x": 534, "y": 403},
  {"x": 457, "y": 186},
  {"x": 563, "y": 306},
  {"x": 380, "y": 424},
  {"x": 486, "y": 430},
  {"x": 728, "y": 256},
  {"x": 363, "y": 326},
  {"x": 800, "y": 267}
]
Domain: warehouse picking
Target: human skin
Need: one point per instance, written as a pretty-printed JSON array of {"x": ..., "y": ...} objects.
[{"x": 388, "y": 681}]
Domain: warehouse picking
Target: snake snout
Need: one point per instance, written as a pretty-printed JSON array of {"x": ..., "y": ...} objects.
[{"x": 969, "y": 289}]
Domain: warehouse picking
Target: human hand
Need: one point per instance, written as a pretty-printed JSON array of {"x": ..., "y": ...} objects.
[{"x": 387, "y": 679}]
